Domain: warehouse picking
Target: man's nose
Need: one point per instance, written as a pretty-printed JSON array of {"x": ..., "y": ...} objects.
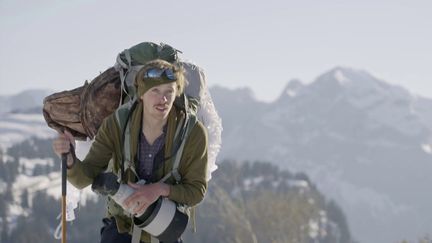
[{"x": 164, "y": 98}]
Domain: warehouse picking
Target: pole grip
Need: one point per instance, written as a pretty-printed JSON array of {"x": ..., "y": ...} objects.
[{"x": 64, "y": 174}]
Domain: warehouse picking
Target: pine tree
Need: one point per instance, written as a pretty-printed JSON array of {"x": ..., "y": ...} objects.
[
  {"x": 2, "y": 167},
  {"x": 336, "y": 214},
  {"x": 4, "y": 230},
  {"x": 1, "y": 156},
  {"x": 8, "y": 196},
  {"x": 25, "y": 199},
  {"x": 3, "y": 206},
  {"x": 425, "y": 239}
]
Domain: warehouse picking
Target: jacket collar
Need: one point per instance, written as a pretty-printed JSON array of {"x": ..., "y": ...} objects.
[{"x": 135, "y": 124}]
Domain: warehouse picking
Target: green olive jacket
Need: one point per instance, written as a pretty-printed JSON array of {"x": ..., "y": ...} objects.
[{"x": 105, "y": 153}]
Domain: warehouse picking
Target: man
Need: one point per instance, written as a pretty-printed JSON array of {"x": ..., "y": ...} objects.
[{"x": 153, "y": 125}]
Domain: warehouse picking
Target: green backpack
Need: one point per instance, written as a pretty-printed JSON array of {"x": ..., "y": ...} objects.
[
  {"x": 128, "y": 63},
  {"x": 131, "y": 60}
]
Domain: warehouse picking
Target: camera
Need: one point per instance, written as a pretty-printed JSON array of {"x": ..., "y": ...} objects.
[{"x": 163, "y": 219}]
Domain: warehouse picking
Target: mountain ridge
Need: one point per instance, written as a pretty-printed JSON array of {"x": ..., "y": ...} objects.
[
  {"x": 368, "y": 145},
  {"x": 24, "y": 100},
  {"x": 357, "y": 136}
]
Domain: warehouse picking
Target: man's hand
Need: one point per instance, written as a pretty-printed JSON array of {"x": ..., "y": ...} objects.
[
  {"x": 145, "y": 195},
  {"x": 61, "y": 145}
]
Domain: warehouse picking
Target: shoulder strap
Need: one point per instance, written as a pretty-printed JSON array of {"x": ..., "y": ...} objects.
[
  {"x": 123, "y": 114},
  {"x": 191, "y": 120},
  {"x": 123, "y": 69},
  {"x": 123, "y": 66}
]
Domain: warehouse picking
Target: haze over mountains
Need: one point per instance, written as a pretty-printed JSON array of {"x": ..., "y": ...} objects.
[
  {"x": 365, "y": 143},
  {"x": 30, "y": 183},
  {"x": 23, "y": 101}
]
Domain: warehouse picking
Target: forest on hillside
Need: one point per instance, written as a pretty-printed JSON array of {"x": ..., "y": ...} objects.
[{"x": 246, "y": 202}]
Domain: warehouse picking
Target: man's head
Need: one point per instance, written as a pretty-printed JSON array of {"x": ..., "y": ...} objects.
[
  {"x": 159, "y": 72},
  {"x": 158, "y": 83}
]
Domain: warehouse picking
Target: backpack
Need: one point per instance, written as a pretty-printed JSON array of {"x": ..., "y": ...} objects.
[
  {"x": 128, "y": 63},
  {"x": 82, "y": 110},
  {"x": 131, "y": 60}
]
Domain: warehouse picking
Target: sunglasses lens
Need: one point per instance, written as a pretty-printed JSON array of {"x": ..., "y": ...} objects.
[
  {"x": 157, "y": 73},
  {"x": 153, "y": 73},
  {"x": 170, "y": 74}
]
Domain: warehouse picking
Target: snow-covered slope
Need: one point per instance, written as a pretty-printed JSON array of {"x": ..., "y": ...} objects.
[
  {"x": 17, "y": 127},
  {"x": 31, "y": 177},
  {"x": 21, "y": 126},
  {"x": 365, "y": 143},
  {"x": 21, "y": 117}
]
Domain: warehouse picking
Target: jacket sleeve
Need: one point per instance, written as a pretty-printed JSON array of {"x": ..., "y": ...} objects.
[
  {"x": 192, "y": 168},
  {"x": 82, "y": 173}
]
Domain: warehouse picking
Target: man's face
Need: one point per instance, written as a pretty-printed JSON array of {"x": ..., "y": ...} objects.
[{"x": 158, "y": 100}]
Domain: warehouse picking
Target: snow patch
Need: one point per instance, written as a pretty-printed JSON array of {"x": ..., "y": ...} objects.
[
  {"x": 291, "y": 93},
  {"x": 28, "y": 117},
  {"x": 3, "y": 186},
  {"x": 51, "y": 184},
  {"x": 249, "y": 183},
  {"x": 427, "y": 148},
  {"x": 340, "y": 77},
  {"x": 299, "y": 183},
  {"x": 10, "y": 138},
  {"x": 313, "y": 228},
  {"x": 30, "y": 164},
  {"x": 34, "y": 184},
  {"x": 15, "y": 210},
  {"x": 15, "y": 128}
]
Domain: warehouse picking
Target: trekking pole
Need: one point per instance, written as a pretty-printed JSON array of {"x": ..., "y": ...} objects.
[{"x": 64, "y": 164}]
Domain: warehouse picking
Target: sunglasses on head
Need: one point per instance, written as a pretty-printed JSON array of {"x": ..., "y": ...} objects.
[{"x": 160, "y": 72}]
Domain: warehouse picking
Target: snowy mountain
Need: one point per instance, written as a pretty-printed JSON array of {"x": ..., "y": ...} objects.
[
  {"x": 17, "y": 127},
  {"x": 366, "y": 143},
  {"x": 21, "y": 117},
  {"x": 27, "y": 163},
  {"x": 23, "y": 101},
  {"x": 30, "y": 189},
  {"x": 30, "y": 182}
]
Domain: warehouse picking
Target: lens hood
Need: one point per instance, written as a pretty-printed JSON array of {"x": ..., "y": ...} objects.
[{"x": 163, "y": 220}]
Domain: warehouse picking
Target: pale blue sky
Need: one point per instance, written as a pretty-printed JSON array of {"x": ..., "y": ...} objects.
[{"x": 259, "y": 44}]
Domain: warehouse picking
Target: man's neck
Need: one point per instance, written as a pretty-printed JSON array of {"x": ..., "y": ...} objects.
[{"x": 152, "y": 128}]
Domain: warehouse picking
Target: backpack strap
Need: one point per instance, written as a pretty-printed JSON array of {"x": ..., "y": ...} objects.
[
  {"x": 124, "y": 66},
  {"x": 123, "y": 114},
  {"x": 190, "y": 120}
]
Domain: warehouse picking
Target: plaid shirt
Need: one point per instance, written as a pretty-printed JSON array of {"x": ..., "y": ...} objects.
[{"x": 147, "y": 154}]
